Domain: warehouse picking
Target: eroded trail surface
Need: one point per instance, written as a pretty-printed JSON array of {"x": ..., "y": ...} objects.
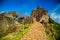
[{"x": 37, "y": 32}]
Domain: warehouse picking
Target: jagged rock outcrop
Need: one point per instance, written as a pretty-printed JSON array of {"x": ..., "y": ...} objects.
[
  {"x": 14, "y": 14},
  {"x": 40, "y": 15},
  {"x": 7, "y": 24}
]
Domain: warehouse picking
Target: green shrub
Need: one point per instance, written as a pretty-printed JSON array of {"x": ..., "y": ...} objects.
[{"x": 55, "y": 27}]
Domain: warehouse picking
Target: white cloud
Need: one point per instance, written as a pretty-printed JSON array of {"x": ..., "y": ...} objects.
[
  {"x": 55, "y": 17},
  {"x": 55, "y": 13},
  {"x": 2, "y": 11},
  {"x": 59, "y": 17}
]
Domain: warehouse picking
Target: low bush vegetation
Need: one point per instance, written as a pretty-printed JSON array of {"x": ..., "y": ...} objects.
[
  {"x": 53, "y": 30},
  {"x": 22, "y": 30}
]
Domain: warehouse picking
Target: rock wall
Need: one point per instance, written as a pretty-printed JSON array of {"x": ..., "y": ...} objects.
[{"x": 40, "y": 14}]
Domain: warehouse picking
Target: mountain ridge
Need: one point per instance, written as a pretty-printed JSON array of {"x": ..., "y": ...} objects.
[{"x": 9, "y": 23}]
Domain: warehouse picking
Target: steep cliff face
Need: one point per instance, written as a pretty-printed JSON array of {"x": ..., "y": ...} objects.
[{"x": 40, "y": 15}]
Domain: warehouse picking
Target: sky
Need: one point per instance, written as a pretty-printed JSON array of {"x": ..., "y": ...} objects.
[{"x": 26, "y": 6}]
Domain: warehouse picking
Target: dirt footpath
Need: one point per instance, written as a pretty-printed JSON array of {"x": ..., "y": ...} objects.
[{"x": 37, "y": 32}]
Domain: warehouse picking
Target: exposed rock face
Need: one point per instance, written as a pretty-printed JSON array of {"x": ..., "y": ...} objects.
[
  {"x": 13, "y": 13},
  {"x": 40, "y": 15},
  {"x": 25, "y": 20},
  {"x": 7, "y": 24},
  {"x": 3, "y": 25}
]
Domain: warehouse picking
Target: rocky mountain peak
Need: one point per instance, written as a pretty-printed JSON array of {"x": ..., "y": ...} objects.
[{"x": 40, "y": 14}]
